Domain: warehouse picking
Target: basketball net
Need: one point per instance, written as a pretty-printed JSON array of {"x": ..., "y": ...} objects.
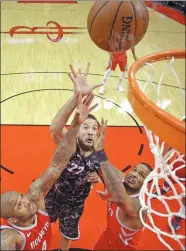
[{"x": 165, "y": 161}]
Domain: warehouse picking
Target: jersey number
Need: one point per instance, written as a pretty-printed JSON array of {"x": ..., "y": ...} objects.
[
  {"x": 44, "y": 247},
  {"x": 75, "y": 168}
]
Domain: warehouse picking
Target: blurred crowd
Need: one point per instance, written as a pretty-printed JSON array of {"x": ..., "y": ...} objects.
[{"x": 179, "y": 5}]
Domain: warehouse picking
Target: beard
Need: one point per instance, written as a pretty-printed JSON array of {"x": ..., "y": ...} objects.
[
  {"x": 85, "y": 147},
  {"x": 129, "y": 188}
]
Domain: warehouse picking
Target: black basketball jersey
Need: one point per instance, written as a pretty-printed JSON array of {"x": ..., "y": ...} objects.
[{"x": 73, "y": 184}]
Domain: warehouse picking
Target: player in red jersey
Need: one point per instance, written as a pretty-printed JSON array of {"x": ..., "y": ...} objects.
[
  {"x": 26, "y": 224},
  {"x": 117, "y": 58},
  {"x": 123, "y": 221},
  {"x": 180, "y": 173}
]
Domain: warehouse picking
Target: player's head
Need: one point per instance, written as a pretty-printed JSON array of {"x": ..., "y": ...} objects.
[
  {"x": 17, "y": 208},
  {"x": 135, "y": 178},
  {"x": 88, "y": 133}
]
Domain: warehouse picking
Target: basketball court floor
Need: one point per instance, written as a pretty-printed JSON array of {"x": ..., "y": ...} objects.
[{"x": 35, "y": 84}]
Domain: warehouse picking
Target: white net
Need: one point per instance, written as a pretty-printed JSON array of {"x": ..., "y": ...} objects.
[
  {"x": 164, "y": 170},
  {"x": 164, "y": 82}
]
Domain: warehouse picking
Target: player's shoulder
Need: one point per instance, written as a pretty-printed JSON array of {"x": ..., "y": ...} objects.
[
  {"x": 8, "y": 231},
  {"x": 92, "y": 160},
  {"x": 42, "y": 213},
  {"x": 76, "y": 156},
  {"x": 11, "y": 235}
]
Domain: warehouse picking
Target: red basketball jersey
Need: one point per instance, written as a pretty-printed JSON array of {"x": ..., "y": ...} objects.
[
  {"x": 120, "y": 236},
  {"x": 35, "y": 237}
]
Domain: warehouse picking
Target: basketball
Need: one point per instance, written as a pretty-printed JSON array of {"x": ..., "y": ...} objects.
[{"x": 116, "y": 26}]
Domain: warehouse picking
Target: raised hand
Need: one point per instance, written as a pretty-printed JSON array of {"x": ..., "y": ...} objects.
[
  {"x": 83, "y": 108},
  {"x": 105, "y": 195},
  {"x": 99, "y": 145},
  {"x": 80, "y": 81}
]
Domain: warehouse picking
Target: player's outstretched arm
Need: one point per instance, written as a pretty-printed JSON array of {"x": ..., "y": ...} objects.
[
  {"x": 57, "y": 128},
  {"x": 116, "y": 189},
  {"x": 113, "y": 179},
  {"x": 81, "y": 86},
  {"x": 62, "y": 154},
  {"x": 99, "y": 145}
]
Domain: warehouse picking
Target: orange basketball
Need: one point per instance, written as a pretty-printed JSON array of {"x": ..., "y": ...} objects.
[{"x": 117, "y": 25}]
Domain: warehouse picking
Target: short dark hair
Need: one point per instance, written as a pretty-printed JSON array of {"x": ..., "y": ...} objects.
[
  {"x": 147, "y": 165},
  {"x": 90, "y": 116}
]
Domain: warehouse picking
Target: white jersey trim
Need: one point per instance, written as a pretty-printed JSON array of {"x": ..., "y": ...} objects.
[
  {"x": 25, "y": 228},
  {"x": 125, "y": 234},
  {"x": 43, "y": 212},
  {"x": 123, "y": 225},
  {"x": 22, "y": 234}
]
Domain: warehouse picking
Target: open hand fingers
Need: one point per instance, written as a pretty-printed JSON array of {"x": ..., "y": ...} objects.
[
  {"x": 73, "y": 71},
  {"x": 103, "y": 126},
  {"x": 102, "y": 122},
  {"x": 103, "y": 195},
  {"x": 79, "y": 67},
  {"x": 96, "y": 86},
  {"x": 92, "y": 107},
  {"x": 88, "y": 100},
  {"x": 71, "y": 77},
  {"x": 101, "y": 192},
  {"x": 87, "y": 69}
]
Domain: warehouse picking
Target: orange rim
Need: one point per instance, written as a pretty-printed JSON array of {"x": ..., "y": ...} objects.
[{"x": 166, "y": 126}]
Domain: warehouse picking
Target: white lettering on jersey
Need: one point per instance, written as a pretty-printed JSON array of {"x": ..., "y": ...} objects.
[
  {"x": 44, "y": 247},
  {"x": 89, "y": 163},
  {"x": 75, "y": 168},
  {"x": 40, "y": 236},
  {"x": 111, "y": 212}
]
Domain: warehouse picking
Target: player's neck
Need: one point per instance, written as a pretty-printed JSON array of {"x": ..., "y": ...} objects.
[
  {"x": 132, "y": 192},
  {"x": 27, "y": 223},
  {"x": 85, "y": 153}
]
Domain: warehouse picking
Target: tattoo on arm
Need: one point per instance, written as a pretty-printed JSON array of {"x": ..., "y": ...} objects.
[
  {"x": 8, "y": 239},
  {"x": 60, "y": 159},
  {"x": 115, "y": 187},
  {"x": 62, "y": 116},
  {"x": 120, "y": 174},
  {"x": 40, "y": 187},
  {"x": 111, "y": 179}
]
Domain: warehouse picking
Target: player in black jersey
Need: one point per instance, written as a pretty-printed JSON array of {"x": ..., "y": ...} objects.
[{"x": 65, "y": 201}]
